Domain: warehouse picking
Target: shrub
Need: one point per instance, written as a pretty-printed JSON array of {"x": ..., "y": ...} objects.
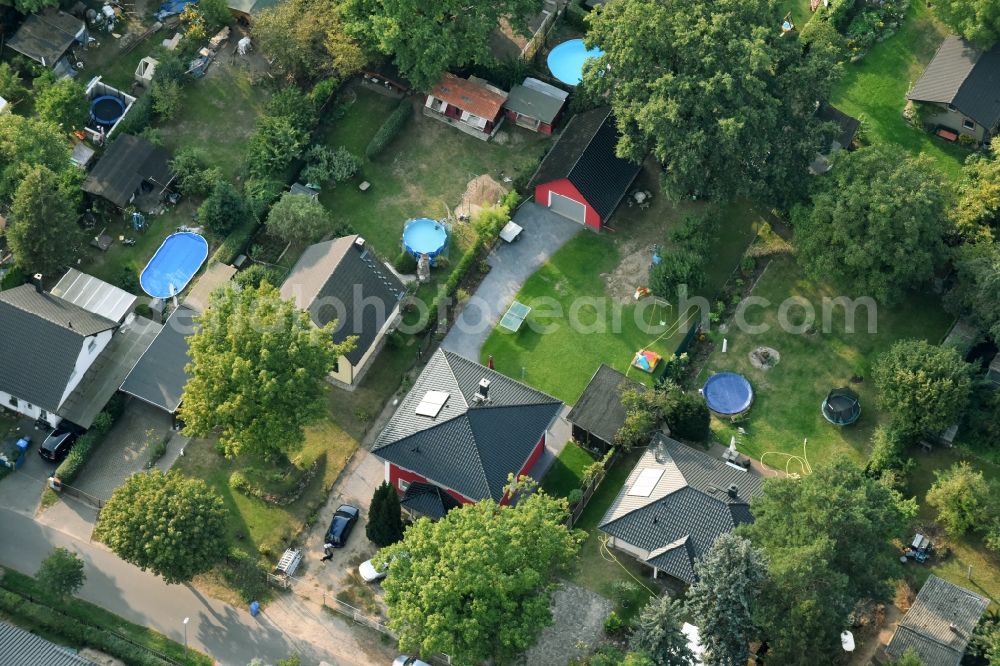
[
  {"x": 260, "y": 193},
  {"x": 575, "y": 496},
  {"x": 193, "y": 176},
  {"x": 274, "y": 145},
  {"x": 234, "y": 244},
  {"x": 391, "y": 128},
  {"x": 613, "y": 624},
  {"x": 325, "y": 164},
  {"x": 223, "y": 209},
  {"x": 238, "y": 482},
  {"x": 689, "y": 419},
  {"x": 576, "y": 16},
  {"x": 255, "y": 274},
  {"x": 78, "y": 456},
  {"x": 405, "y": 263},
  {"x": 296, "y": 106},
  {"x": 128, "y": 278},
  {"x": 143, "y": 310},
  {"x": 245, "y": 573},
  {"x": 138, "y": 117},
  {"x": 323, "y": 91},
  {"x": 623, "y": 592}
]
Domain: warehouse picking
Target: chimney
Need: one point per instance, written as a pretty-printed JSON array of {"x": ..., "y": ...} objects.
[
  {"x": 483, "y": 392},
  {"x": 954, "y": 628},
  {"x": 733, "y": 490},
  {"x": 36, "y": 280},
  {"x": 359, "y": 244}
]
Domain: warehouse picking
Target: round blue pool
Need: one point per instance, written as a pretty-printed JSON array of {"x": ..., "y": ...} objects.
[
  {"x": 174, "y": 264},
  {"x": 728, "y": 393},
  {"x": 566, "y": 60},
  {"x": 425, "y": 236},
  {"x": 106, "y": 110}
]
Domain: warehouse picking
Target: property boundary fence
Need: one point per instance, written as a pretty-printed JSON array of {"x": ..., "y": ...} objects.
[
  {"x": 87, "y": 498},
  {"x": 590, "y": 488}
]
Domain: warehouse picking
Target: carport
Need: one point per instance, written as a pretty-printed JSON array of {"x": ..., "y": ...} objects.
[{"x": 160, "y": 376}]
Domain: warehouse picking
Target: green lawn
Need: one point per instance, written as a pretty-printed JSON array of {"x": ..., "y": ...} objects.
[
  {"x": 562, "y": 360},
  {"x": 788, "y": 396},
  {"x": 875, "y": 88},
  {"x": 566, "y": 473}
]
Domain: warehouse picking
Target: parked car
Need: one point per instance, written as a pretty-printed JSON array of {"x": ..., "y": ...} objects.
[
  {"x": 370, "y": 574},
  {"x": 340, "y": 527},
  {"x": 406, "y": 660},
  {"x": 57, "y": 444}
]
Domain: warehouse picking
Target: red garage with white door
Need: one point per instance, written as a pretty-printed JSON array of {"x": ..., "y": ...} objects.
[{"x": 582, "y": 178}]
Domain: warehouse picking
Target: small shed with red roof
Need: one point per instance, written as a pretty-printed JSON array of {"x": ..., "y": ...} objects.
[{"x": 472, "y": 105}]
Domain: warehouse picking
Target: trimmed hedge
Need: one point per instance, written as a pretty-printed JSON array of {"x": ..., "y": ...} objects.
[
  {"x": 235, "y": 242},
  {"x": 390, "y": 129},
  {"x": 78, "y": 456}
]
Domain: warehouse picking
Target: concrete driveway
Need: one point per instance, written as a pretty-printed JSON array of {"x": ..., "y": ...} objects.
[
  {"x": 21, "y": 490},
  {"x": 511, "y": 264}
]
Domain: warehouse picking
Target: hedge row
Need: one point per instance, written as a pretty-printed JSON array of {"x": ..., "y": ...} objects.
[
  {"x": 235, "y": 242},
  {"x": 390, "y": 129},
  {"x": 78, "y": 456}
]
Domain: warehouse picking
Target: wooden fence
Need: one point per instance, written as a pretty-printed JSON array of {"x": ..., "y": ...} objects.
[{"x": 590, "y": 488}]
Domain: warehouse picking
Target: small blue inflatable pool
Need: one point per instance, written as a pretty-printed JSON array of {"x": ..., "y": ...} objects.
[
  {"x": 728, "y": 393},
  {"x": 174, "y": 264},
  {"x": 566, "y": 60},
  {"x": 425, "y": 236}
]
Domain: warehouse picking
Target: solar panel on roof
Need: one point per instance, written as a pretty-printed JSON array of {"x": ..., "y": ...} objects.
[
  {"x": 643, "y": 486},
  {"x": 432, "y": 403}
]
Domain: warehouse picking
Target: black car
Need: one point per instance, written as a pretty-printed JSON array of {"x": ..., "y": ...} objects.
[
  {"x": 340, "y": 527},
  {"x": 57, "y": 444}
]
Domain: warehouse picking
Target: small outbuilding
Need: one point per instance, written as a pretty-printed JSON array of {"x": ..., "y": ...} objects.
[
  {"x": 535, "y": 105},
  {"x": 45, "y": 37},
  {"x": 145, "y": 70},
  {"x": 129, "y": 168},
  {"x": 472, "y": 105},
  {"x": 598, "y": 414},
  {"x": 582, "y": 178},
  {"x": 844, "y": 140}
]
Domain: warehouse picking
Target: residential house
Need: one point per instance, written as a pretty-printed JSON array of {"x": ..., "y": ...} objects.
[
  {"x": 939, "y": 624},
  {"x": 460, "y": 432},
  {"x": 598, "y": 414},
  {"x": 472, "y": 105},
  {"x": 46, "y": 37},
  {"x": 342, "y": 280},
  {"x": 130, "y": 168},
  {"x": 675, "y": 503},
  {"x": 960, "y": 90},
  {"x": 535, "y": 105},
  {"x": 23, "y": 648},
  {"x": 581, "y": 177},
  {"x": 844, "y": 140}
]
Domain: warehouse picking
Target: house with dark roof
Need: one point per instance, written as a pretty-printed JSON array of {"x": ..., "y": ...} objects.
[
  {"x": 45, "y": 37},
  {"x": 535, "y": 105},
  {"x": 460, "y": 432},
  {"x": 343, "y": 280},
  {"x": 23, "y": 648},
  {"x": 847, "y": 128},
  {"x": 130, "y": 167},
  {"x": 960, "y": 90},
  {"x": 581, "y": 177},
  {"x": 675, "y": 503},
  {"x": 472, "y": 105},
  {"x": 939, "y": 624},
  {"x": 598, "y": 414}
]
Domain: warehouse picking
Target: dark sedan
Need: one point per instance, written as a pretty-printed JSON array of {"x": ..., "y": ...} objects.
[
  {"x": 343, "y": 522},
  {"x": 57, "y": 444}
]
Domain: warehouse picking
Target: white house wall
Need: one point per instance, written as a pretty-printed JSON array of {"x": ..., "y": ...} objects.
[
  {"x": 85, "y": 359},
  {"x": 27, "y": 409}
]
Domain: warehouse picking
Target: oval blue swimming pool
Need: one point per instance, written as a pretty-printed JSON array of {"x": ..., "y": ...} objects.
[
  {"x": 566, "y": 60},
  {"x": 425, "y": 236},
  {"x": 174, "y": 264},
  {"x": 728, "y": 393}
]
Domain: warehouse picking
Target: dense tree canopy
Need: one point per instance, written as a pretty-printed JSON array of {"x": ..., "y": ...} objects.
[
  {"x": 976, "y": 20},
  {"x": 26, "y": 142},
  {"x": 258, "y": 372},
  {"x": 223, "y": 209},
  {"x": 63, "y": 103},
  {"x": 975, "y": 292},
  {"x": 977, "y": 212},
  {"x": 828, "y": 539},
  {"x": 385, "y": 518},
  {"x": 658, "y": 636},
  {"x": 167, "y": 523},
  {"x": 61, "y": 573},
  {"x": 875, "y": 223},
  {"x": 426, "y": 39},
  {"x": 961, "y": 496},
  {"x": 476, "y": 584},
  {"x": 307, "y": 39},
  {"x": 42, "y": 230},
  {"x": 297, "y": 217},
  {"x": 714, "y": 92},
  {"x": 924, "y": 387}
]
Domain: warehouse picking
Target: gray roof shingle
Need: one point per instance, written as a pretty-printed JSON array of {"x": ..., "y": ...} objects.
[
  {"x": 468, "y": 447},
  {"x": 41, "y": 337},
  {"x": 687, "y": 510},
  {"x": 964, "y": 76},
  {"x": 428, "y": 500},
  {"x": 46, "y": 36},
  {"x": 337, "y": 280},
  {"x": 160, "y": 375},
  {"x": 939, "y": 623},
  {"x": 542, "y": 102},
  {"x": 599, "y": 410},
  {"x": 23, "y": 648},
  {"x": 125, "y": 165}
]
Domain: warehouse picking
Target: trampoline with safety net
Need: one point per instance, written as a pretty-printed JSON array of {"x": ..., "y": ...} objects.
[{"x": 841, "y": 407}]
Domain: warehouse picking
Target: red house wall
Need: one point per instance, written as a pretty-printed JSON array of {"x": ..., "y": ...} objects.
[
  {"x": 567, "y": 189},
  {"x": 532, "y": 459},
  {"x": 543, "y": 128}
]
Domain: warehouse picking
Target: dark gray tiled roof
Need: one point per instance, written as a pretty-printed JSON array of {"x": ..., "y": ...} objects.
[
  {"x": 332, "y": 280},
  {"x": 689, "y": 505},
  {"x": 585, "y": 154},
  {"x": 22, "y": 648},
  {"x": 160, "y": 376},
  {"x": 964, "y": 76},
  {"x": 848, "y": 125},
  {"x": 127, "y": 162},
  {"x": 428, "y": 500},
  {"x": 45, "y": 36},
  {"x": 534, "y": 103},
  {"x": 468, "y": 447},
  {"x": 599, "y": 410},
  {"x": 939, "y": 623},
  {"x": 41, "y": 337}
]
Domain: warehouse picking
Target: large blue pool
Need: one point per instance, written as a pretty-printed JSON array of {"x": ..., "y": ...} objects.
[
  {"x": 728, "y": 393},
  {"x": 566, "y": 60},
  {"x": 174, "y": 264},
  {"x": 425, "y": 236}
]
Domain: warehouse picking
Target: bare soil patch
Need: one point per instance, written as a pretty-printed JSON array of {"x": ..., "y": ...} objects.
[
  {"x": 632, "y": 272},
  {"x": 481, "y": 192},
  {"x": 764, "y": 358}
]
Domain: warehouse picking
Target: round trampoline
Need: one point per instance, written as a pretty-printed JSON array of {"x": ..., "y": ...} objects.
[
  {"x": 425, "y": 236},
  {"x": 728, "y": 393},
  {"x": 566, "y": 60},
  {"x": 106, "y": 110},
  {"x": 841, "y": 407}
]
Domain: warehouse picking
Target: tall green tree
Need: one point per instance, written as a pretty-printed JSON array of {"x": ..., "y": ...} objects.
[
  {"x": 961, "y": 496},
  {"x": 874, "y": 223},
  {"x": 61, "y": 573},
  {"x": 28, "y": 142},
  {"x": 828, "y": 541},
  {"x": 428, "y": 39},
  {"x": 308, "y": 39},
  {"x": 167, "y": 523},
  {"x": 298, "y": 218},
  {"x": 974, "y": 294},
  {"x": 476, "y": 584},
  {"x": 976, "y": 20},
  {"x": 258, "y": 372},
  {"x": 714, "y": 92},
  {"x": 658, "y": 634},
  {"x": 42, "y": 230},
  {"x": 275, "y": 143},
  {"x": 723, "y": 601},
  {"x": 924, "y": 387},
  {"x": 63, "y": 103},
  {"x": 11, "y": 87},
  {"x": 977, "y": 211},
  {"x": 223, "y": 209},
  {"x": 385, "y": 517}
]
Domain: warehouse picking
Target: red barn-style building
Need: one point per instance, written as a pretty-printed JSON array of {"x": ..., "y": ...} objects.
[
  {"x": 458, "y": 434},
  {"x": 581, "y": 177}
]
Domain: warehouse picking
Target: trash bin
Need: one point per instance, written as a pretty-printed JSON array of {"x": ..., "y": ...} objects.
[{"x": 254, "y": 608}]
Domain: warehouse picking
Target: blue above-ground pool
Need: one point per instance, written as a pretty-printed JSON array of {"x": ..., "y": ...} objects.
[
  {"x": 425, "y": 236},
  {"x": 566, "y": 60},
  {"x": 174, "y": 264},
  {"x": 728, "y": 393}
]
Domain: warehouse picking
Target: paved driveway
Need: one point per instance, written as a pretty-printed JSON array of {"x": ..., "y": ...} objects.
[
  {"x": 510, "y": 265},
  {"x": 21, "y": 490}
]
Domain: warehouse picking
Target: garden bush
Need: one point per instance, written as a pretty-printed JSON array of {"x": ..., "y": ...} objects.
[
  {"x": 405, "y": 263},
  {"x": 223, "y": 209},
  {"x": 69, "y": 469},
  {"x": 329, "y": 164},
  {"x": 235, "y": 242},
  {"x": 576, "y": 16},
  {"x": 575, "y": 496},
  {"x": 255, "y": 274},
  {"x": 192, "y": 174},
  {"x": 138, "y": 117},
  {"x": 390, "y": 129}
]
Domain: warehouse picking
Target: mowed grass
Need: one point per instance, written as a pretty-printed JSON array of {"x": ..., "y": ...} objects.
[
  {"x": 566, "y": 473},
  {"x": 786, "y": 408},
  {"x": 874, "y": 89}
]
